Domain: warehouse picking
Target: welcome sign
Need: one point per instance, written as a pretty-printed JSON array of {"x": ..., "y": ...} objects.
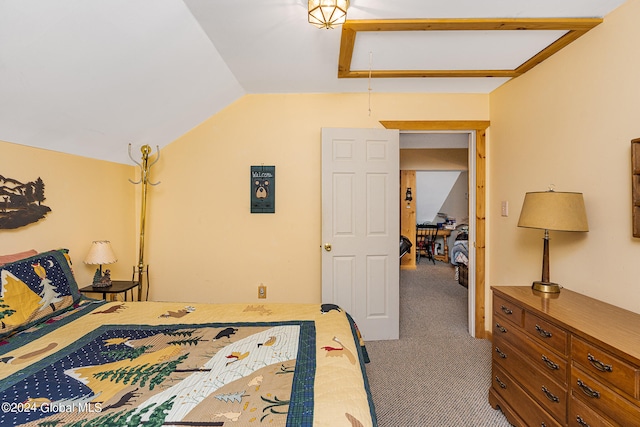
[{"x": 263, "y": 189}]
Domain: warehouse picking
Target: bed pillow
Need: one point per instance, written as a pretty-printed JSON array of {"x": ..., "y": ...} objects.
[
  {"x": 34, "y": 289},
  {"x": 6, "y": 259}
]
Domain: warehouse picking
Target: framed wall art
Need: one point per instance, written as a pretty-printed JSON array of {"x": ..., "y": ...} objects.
[
  {"x": 635, "y": 185},
  {"x": 263, "y": 189}
]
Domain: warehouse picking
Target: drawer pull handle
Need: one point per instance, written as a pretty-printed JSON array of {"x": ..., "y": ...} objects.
[
  {"x": 543, "y": 333},
  {"x": 501, "y": 328},
  {"x": 506, "y": 310},
  {"x": 581, "y": 421},
  {"x": 550, "y": 395},
  {"x": 550, "y": 363},
  {"x": 588, "y": 390},
  {"x": 600, "y": 366},
  {"x": 502, "y": 355},
  {"x": 500, "y": 383}
]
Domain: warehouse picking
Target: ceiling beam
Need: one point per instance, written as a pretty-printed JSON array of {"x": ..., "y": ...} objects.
[
  {"x": 575, "y": 28},
  {"x": 425, "y": 125}
]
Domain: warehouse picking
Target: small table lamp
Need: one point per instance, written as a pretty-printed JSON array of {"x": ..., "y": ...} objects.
[
  {"x": 100, "y": 253},
  {"x": 551, "y": 210}
]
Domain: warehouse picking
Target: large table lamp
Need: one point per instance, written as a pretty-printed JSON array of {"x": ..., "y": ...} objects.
[{"x": 552, "y": 210}]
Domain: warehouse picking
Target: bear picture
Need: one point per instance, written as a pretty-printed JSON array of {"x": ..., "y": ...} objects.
[{"x": 263, "y": 189}]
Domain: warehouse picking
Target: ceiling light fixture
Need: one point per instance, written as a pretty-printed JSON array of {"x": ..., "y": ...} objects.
[{"x": 327, "y": 13}]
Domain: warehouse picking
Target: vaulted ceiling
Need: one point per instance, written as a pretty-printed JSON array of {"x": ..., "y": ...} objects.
[{"x": 89, "y": 77}]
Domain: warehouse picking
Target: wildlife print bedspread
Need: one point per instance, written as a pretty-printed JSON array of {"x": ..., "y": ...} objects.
[{"x": 154, "y": 364}]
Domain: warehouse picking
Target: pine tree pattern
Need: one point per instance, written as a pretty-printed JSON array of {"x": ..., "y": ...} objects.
[
  {"x": 49, "y": 293},
  {"x": 153, "y": 374},
  {"x": 188, "y": 341},
  {"x": 132, "y": 417},
  {"x": 179, "y": 333},
  {"x": 5, "y": 311},
  {"x": 126, "y": 353}
]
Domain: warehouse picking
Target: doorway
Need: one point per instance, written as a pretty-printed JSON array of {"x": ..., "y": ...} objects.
[{"x": 477, "y": 193}]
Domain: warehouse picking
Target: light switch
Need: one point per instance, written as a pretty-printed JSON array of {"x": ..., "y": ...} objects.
[{"x": 505, "y": 208}]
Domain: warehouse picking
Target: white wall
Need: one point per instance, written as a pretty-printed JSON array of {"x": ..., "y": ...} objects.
[
  {"x": 457, "y": 203},
  {"x": 432, "y": 190}
]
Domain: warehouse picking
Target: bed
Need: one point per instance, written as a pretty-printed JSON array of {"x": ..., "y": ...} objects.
[
  {"x": 69, "y": 360},
  {"x": 460, "y": 256}
]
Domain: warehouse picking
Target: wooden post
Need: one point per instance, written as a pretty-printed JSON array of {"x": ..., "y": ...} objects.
[{"x": 408, "y": 217}]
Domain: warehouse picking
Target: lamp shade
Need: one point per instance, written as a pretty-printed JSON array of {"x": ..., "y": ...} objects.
[
  {"x": 327, "y": 13},
  {"x": 554, "y": 210},
  {"x": 100, "y": 253}
]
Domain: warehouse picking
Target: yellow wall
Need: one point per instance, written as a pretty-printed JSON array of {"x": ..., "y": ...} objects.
[
  {"x": 569, "y": 122},
  {"x": 89, "y": 200},
  {"x": 205, "y": 245}
]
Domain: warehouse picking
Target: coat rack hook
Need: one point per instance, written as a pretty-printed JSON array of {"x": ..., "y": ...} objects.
[
  {"x": 145, "y": 167},
  {"x": 137, "y": 163}
]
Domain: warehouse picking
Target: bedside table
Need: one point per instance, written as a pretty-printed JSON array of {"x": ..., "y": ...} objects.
[{"x": 117, "y": 287}]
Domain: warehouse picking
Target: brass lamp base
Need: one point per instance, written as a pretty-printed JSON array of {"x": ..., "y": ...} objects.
[{"x": 547, "y": 287}]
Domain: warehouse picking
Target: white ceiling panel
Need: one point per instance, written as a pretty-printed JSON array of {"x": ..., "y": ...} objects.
[{"x": 448, "y": 50}]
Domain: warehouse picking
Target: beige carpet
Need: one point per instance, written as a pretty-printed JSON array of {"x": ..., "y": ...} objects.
[{"x": 436, "y": 374}]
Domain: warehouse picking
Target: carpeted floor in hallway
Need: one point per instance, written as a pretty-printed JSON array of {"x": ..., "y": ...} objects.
[{"x": 436, "y": 374}]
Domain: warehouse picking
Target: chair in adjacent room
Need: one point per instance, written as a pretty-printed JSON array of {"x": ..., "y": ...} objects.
[
  {"x": 426, "y": 235},
  {"x": 405, "y": 246}
]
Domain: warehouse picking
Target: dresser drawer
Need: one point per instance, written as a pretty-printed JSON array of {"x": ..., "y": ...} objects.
[
  {"x": 507, "y": 310},
  {"x": 547, "y": 392},
  {"x": 541, "y": 357},
  {"x": 502, "y": 328},
  {"x": 602, "y": 399},
  {"x": 546, "y": 332},
  {"x": 580, "y": 415},
  {"x": 605, "y": 366},
  {"x": 519, "y": 401}
]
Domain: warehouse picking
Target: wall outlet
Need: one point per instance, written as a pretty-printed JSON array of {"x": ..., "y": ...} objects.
[{"x": 262, "y": 291}]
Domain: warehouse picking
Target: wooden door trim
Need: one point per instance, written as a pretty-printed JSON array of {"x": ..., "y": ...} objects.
[{"x": 480, "y": 128}]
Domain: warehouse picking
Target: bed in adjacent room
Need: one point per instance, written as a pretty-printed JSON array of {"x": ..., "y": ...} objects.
[
  {"x": 460, "y": 255},
  {"x": 73, "y": 361}
]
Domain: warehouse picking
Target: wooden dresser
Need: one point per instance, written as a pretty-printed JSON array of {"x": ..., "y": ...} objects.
[{"x": 564, "y": 360}]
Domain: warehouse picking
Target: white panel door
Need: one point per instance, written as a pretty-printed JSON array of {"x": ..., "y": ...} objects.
[{"x": 360, "y": 227}]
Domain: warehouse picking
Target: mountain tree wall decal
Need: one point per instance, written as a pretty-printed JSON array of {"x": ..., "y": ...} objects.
[{"x": 21, "y": 203}]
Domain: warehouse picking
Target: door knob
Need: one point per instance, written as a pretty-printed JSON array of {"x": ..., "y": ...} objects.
[{"x": 327, "y": 247}]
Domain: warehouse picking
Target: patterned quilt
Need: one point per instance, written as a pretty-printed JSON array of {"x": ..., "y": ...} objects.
[{"x": 167, "y": 364}]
